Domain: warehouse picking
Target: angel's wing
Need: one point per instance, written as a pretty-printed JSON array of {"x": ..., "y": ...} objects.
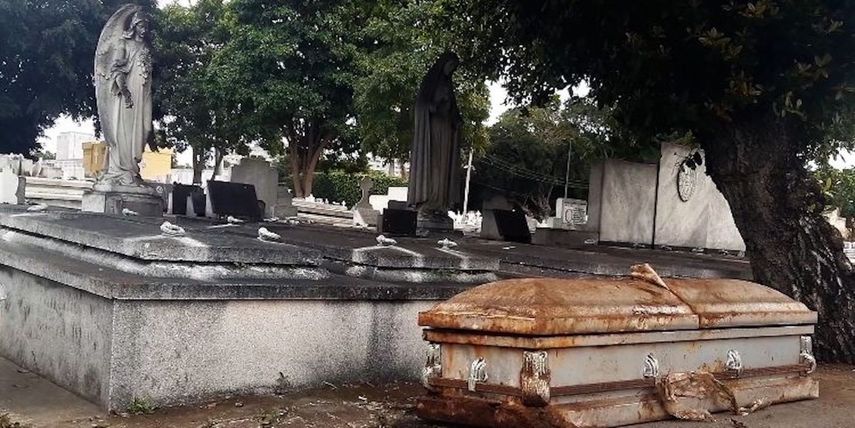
[{"x": 108, "y": 44}]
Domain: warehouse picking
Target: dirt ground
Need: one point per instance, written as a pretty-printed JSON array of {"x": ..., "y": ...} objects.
[{"x": 391, "y": 405}]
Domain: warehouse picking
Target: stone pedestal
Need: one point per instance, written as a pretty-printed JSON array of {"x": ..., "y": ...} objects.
[{"x": 113, "y": 199}]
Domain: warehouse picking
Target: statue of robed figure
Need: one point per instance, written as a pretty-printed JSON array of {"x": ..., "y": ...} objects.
[
  {"x": 435, "y": 156},
  {"x": 123, "y": 93}
]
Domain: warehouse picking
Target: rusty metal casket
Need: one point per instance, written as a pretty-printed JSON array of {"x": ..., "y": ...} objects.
[{"x": 611, "y": 351}]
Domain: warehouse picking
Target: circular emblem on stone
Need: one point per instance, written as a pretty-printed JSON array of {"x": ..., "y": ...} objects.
[{"x": 686, "y": 180}]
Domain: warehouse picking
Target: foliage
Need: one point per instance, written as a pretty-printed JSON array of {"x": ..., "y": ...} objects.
[
  {"x": 526, "y": 160},
  {"x": 46, "y": 63},
  {"x": 337, "y": 186},
  {"x": 141, "y": 406},
  {"x": 839, "y": 188},
  {"x": 763, "y": 87},
  {"x": 188, "y": 38},
  {"x": 287, "y": 67},
  {"x": 6, "y": 422},
  {"x": 400, "y": 41},
  {"x": 681, "y": 66}
]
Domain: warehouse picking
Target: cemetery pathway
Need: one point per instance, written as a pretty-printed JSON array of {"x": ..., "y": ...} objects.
[{"x": 35, "y": 402}]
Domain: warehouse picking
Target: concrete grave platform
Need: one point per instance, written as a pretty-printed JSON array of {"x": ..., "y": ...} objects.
[{"x": 110, "y": 309}]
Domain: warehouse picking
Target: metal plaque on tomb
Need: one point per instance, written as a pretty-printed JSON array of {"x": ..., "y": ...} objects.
[
  {"x": 687, "y": 178},
  {"x": 604, "y": 352}
]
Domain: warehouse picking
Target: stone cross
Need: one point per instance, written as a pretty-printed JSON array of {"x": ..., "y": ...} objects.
[{"x": 365, "y": 184}]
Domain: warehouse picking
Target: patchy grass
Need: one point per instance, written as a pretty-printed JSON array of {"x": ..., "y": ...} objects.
[
  {"x": 6, "y": 422},
  {"x": 140, "y": 406}
]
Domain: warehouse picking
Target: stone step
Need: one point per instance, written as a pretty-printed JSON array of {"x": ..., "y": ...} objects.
[{"x": 328, "y": 210}]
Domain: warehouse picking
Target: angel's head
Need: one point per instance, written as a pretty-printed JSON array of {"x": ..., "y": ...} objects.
[{"x": 137, "y": 27}]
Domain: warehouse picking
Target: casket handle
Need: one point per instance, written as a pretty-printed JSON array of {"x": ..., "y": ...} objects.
[
  {"x": 477, "y": 373},
  {"x": 651, "y": 367},
  {"x": 535, "y": 378},
  {"x": 734, "y": 362},
  {"x": 433, "y": 364},
  {"x": 806, "y": 353}
]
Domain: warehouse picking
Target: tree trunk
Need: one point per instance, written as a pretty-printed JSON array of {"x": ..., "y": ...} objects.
[
  {"x": 304, "y": 159},
  {"x": 218, "y": 162},
  {"x": 777, "y": 206},
  {"x": 198, "y": 164}
]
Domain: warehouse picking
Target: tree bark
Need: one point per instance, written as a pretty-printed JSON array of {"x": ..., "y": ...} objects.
[
  {"x": 198, "y": 165},
  {"x": 305, "y": 152},
  {"x": 777, "y": 206},
  {"x": 218, "y": 162}
]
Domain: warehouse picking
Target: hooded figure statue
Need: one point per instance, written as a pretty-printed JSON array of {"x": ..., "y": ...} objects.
[
  {"x": 435, "y": 155},
  {"x": 123, "y": 93}
]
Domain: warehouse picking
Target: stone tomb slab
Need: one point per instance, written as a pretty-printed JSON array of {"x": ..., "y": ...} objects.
[
  {"x": 357, "y": 253},
  {"x": 141, "y": 238}
]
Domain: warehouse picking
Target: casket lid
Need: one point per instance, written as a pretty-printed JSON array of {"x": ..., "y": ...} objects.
[{"x": 544, "y": 307}]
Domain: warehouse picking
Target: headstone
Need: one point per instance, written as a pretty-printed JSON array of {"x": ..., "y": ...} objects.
[
  {"x": 263, "y": 177},
  {"x": 505, "y": 225},
  {"x": 397, "y": 205},
  {"x": 398, "y": 222},
  {"x": 569, "y": 214},
  {"x": 232, "y": 199},
  {"x": 178, "y": 199},
  {"x": 11, "y": 187},
  {"x": 489, "y": 228},
  {"x": 284, "y": 207},
  {"x": 363, "y": 213}
]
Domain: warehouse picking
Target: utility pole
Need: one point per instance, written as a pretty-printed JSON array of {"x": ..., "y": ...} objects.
[
  {"x": 466, "y": 189},
  {"x": 567, "y": 171}
]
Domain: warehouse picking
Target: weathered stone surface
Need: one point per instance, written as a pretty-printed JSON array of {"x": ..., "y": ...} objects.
[
  {"x": 358, "y": 247},
  {"x": 628, "y": 198},
  {"x": 139, "y": 199},
  {"x": 141, "y": 238},
  {"x": 284, "y": 203}
]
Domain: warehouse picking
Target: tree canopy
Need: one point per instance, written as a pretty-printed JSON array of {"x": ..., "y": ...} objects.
[
  {"x": 763, "y": 86},
  {"x": 526, "y": 159},
  {"x": 399, "y": 41},
  {"x": 47, "y": 50},
  {"x": 287, "y": 67},
  {"x": 188, "y": 38}
]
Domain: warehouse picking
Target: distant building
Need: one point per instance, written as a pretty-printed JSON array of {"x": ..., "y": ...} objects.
[
  {"x": 156, "y": 166},
  {"x": 391, "y": 167},
  {"x": 69, "y": 153},
  {"x": 69, "y": 144}
]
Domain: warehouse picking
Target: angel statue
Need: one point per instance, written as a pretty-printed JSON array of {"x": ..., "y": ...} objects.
[
  {"x": 435, "y": 154},
  {"x": 123, "y": 93}
]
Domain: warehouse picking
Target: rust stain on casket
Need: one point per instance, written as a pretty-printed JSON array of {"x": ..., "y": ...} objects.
[{"x": 544, "y": 306}]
